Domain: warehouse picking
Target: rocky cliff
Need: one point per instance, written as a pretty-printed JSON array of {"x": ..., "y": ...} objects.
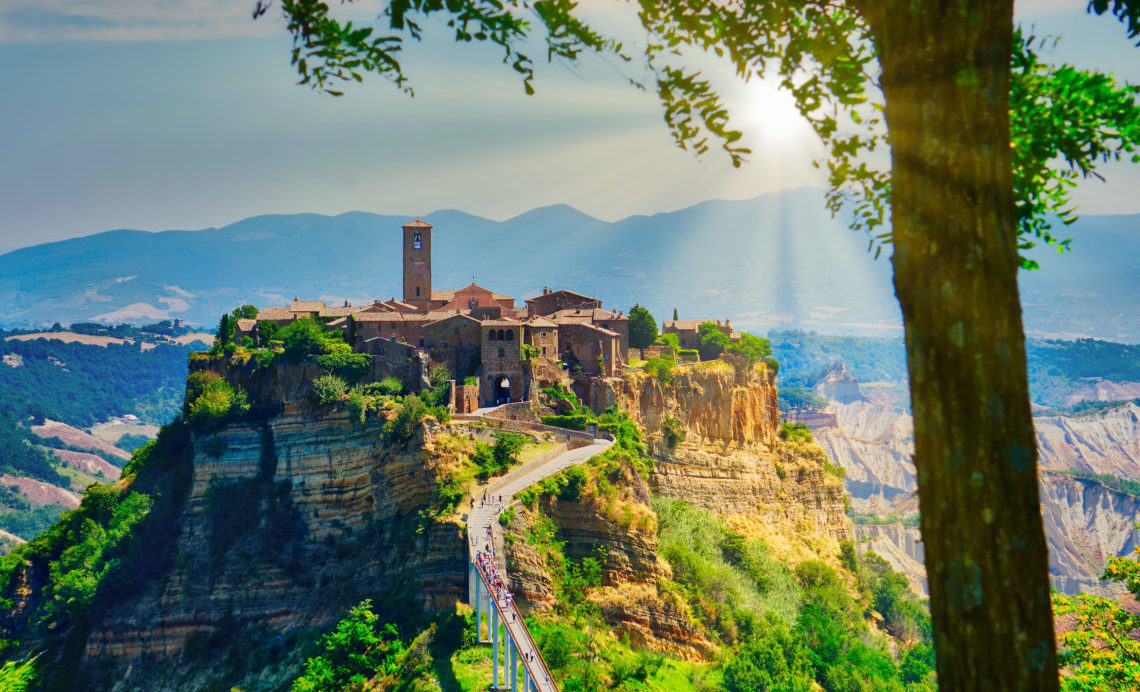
[
  {"x": 289, "y": 521},
  {"x": 713, "y": 436},
  {"x": 732, "y": 461},
  {"x": 1085, "y": 522}
]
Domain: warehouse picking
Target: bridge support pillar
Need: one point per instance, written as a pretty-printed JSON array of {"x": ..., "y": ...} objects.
[
  {"x": 478, "y": 603},
  {"x": 514, "y": 666},
  {"x": 494, "y": 648}
]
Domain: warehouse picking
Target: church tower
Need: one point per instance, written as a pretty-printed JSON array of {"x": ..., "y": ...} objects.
[{"x": 417, "y": 264}]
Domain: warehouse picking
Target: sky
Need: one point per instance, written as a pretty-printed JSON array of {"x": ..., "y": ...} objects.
[{"x": 185, "y": 114}]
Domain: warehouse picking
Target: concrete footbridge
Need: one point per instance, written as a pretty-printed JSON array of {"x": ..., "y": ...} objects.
[{"x": 512, "y": 647}]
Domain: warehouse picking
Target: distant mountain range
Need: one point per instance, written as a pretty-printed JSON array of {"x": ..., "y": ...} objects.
[{"x": 776, "y": 261}]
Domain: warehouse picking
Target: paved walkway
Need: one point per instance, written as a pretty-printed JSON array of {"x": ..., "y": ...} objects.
[{"x": 484, "y": 530}]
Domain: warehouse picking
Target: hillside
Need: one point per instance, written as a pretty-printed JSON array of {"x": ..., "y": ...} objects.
[
  {"x": 232, "y": 543},
  {"x": 791, "y": 266}
]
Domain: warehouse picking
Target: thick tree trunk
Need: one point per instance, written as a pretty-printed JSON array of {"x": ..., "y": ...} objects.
[{"x": 945, "y": 75}]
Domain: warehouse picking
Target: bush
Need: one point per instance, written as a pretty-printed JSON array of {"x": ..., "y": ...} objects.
[
  {"x": 674, "y": 433},
  {"x": 402, "y": 427},
  {"x": 307, "y": 337},
  {"x": 329, "y": 389},
  {"x": 356, "y": 651},
  {"x": 357, "y": 406},
  {"x": 660, "y": 368},
  {"x": 795, "y": 432},
  {"x": 389, "y": 386},
  {"x": 211, "y": 402},
  {"x": 576, "y": 478},
  {"x": 573, "y": 421},
  {"x": 347, "y": 366}
]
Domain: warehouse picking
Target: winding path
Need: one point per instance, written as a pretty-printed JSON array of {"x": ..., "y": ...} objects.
[{"x": 483, "y": 531}]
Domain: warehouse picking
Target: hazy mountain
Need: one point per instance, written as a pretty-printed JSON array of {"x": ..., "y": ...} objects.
[{"x": 774, "y": 261}]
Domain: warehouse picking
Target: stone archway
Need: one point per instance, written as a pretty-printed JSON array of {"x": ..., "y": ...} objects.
[{"x": 502, "y": 390}]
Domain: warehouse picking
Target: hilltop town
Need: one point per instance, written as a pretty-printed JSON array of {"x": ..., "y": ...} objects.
[{"x": 478, "y": 335}]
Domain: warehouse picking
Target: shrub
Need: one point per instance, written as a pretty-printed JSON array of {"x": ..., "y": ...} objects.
[
  {"x": 409, "y": 415},
  {"x": 471, "y": 380},
  {"x": 328, "y": 389},
  {"x": 660, "y": 368},
  {"x": 576, "y": 478},
  {"x": 671, "y": 340},
  {"x": 307, "y": 337},
  {"x": 674, "y": 433},
  {"x": 357, "y": 406},
  {"x": 573, "y": 421},
  {"x": 211, "y": 401},
  {"x": 347, "y": 366},
  {"x": 389, "y": 386},
  {"x": 356, "y": 651},
  {"x": 795, "y": 432}
]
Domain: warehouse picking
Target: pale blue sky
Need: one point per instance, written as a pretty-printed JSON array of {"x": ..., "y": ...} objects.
[{"x": 184, "y": 114}]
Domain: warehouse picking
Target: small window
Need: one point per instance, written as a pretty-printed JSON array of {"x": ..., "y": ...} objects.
[
  {"x": 502, "y": 352},
  {"x": 491, "y": 335},
  {"x": 418, "y": 244},
  {"x": 456, "y": 330},
  {"x": 421, "y": 343},
  {"x": 510, "y": 335},
  {"x": 544, "y": 350},
  {"x": 417, "y": 291},
  {"x": 502, "y": 335}
]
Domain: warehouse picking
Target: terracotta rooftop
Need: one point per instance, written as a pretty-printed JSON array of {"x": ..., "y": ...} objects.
[
  {"x": 586, "y": 314},
  {"x": 437, "y": 317},
  {"x": 417, "y": 224},
  {"x": 275, "y": 314},
  {"x": 501, "y": 323},
  {"x": 541, "y": 322},
  {"x": 246, "y": 325},
  {"x": 595, "y": 328},
  {"x": 339, "y": 310},
  {"x": 684, "y": 325},
  {"x": 564, "y": 292},
  {"x": 307, "y": 305},
  {"x": 390, "y": 317},
  {"x": 440, "y": 294}
]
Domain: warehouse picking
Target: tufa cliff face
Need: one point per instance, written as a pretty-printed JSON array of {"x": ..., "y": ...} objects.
[
  {"x": 620, "y": 530},
  {"x": 288, "y": 523},
  {"x": 732, "y": 461}
]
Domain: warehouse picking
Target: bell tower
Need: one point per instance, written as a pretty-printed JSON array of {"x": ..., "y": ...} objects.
[{"x": 417, "y": 264}]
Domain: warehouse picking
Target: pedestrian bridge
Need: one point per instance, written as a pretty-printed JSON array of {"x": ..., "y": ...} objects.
[{"x": 516, "y": 662}]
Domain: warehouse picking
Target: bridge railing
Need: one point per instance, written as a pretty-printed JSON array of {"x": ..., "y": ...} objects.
[{"x": 544, "y": 670}]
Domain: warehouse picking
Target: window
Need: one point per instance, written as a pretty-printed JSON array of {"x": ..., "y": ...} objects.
[
  {"x": 491, "y": 335},
  {"x": 417, "y": 291},
  {"x": 421, "y": 343},
  {"x": 418, "y": 244},
  {"x": 502, "y": 335},
  {"x": 457, "y": 330},
  {"x": 502, "y": 352},
  {"x": 510, "y": 335},
  {"x": 544, "y": 350}
]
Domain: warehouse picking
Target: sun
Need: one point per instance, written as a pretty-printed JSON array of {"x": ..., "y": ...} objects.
[{"x": 768, "y": 115}]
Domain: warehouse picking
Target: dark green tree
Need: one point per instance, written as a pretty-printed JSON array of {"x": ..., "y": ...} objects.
[
  {"x": 642, "y": 327},
  {"x": 675, "y": 314},
  {"x": 943, "y": 72},
  {"x": 711, "y": 341},
  {"x": 752, "y": 347}
]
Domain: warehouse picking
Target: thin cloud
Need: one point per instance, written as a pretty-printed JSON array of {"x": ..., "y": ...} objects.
[{"x": 40, "y": 21}]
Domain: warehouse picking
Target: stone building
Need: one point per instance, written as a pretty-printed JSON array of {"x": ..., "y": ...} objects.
[
  {"x": 473, "y": 330},
  {"x": 688, "y": 331},
  {"x": 553, "y": 301}
]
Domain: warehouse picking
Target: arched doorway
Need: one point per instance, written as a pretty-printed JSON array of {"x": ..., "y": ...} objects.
[{"x": 502, "y": 390}]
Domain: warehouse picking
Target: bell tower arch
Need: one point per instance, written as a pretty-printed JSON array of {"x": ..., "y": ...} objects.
[{"x": 417, "y": 264}]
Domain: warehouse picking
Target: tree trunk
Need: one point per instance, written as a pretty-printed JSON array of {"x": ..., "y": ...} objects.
[{"x": 945, "y": 75}]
